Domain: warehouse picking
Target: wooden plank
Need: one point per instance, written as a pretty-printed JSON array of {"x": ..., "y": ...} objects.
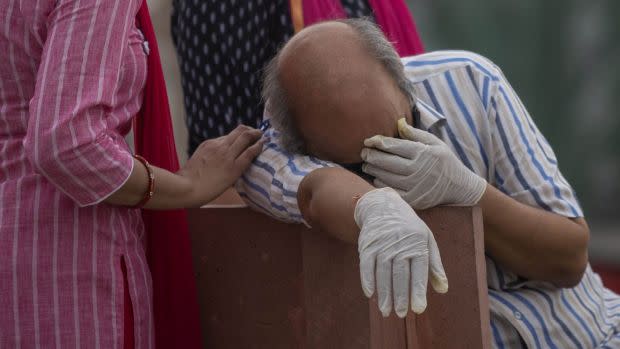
[
  {"x": 386, "y": 332},
  {"x": 463, "y": 312},
  {"x": 249, "y": 278},
  {"x": 336, "y": 308},
  {"x": 266, "y": 284}
]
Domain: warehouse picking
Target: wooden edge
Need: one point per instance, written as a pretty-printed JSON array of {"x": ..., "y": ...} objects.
[
  {"x": 483, "y": 290},
  {"x": 386, "y": 333}
]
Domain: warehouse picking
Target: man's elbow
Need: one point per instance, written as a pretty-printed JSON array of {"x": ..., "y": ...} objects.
[
  {"x": 571, "y": 271},
  {"x": 571, "y": 275}
]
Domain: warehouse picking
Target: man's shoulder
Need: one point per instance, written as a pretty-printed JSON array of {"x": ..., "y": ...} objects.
[{"x": 421, "y": 67}]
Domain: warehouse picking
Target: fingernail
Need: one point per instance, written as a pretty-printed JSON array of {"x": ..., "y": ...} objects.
[
  {"x": 364, "y": 153},
  {"x": 401, "y": 313},
  {"x": 402, "y": 124},
  {"x": 439, "y": 283},
  {"x": 419, "y": 308},
  {"x": 368, "y": 292},
  {"x": 372, "y": 140}
]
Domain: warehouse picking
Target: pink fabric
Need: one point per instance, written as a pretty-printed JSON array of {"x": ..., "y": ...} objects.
[
  {"x": 71, "y": 76},
  {"x": 177, "y": 323},
  {"x": 395, "y": 20},
  {"x": 392, "y": 16},
  {"x": 321, "y": 10}
]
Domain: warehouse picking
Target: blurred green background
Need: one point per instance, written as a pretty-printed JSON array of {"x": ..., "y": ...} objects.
[{"x": 562, "y": 57}]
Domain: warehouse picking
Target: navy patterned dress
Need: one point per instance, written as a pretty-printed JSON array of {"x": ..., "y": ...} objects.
[{"x": 222, "y": 48}]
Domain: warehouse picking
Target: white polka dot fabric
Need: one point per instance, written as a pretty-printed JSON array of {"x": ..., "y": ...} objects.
[{"x": 222, "y": 47}]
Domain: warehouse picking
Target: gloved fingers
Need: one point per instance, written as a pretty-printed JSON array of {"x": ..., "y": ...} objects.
[
  {"x": 367, "y": 273},
  {"x": 419, "y": 280},
  {"x": 413, "y": 134},
  {"x": 401, "y": 147},
  {"x": 391, "y": 180},
  {"x": 400, "y": 280},
  {"x": 439, "y": 280},
  {"x": 384, "y": 284},
  {"x": 387, "y": 161},
  {"x": 380, "y": 184},
  {"x": 421, "y": 197}
]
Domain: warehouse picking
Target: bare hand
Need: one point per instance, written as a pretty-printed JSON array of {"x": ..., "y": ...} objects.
[{"x": 219, "y": 162}]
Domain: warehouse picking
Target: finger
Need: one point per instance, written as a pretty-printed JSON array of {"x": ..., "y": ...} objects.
[
  {"x": 378, "y": 183},
  {"x": 413, "y": 134},
  {"x": 389, "y": 179},
  {"x": 439, "y": 280},
  {"x": 249, "y": 154},
  {"x": 389, "y": 162},
  {"x": 243, "y": 141},
  {"x": 384, "y": 285},
  {"x": 234, "y": 134},
  {"x": 367, "y": 273},
  {"x": 401, "y": 147},
  {"x": 419, "y": 280},
  {"x": 401, "y": 274}
]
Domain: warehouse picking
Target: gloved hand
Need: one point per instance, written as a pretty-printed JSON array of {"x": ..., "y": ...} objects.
[
  {"x": 396, "y": 249},
  {"x": 421, "y": 168}
]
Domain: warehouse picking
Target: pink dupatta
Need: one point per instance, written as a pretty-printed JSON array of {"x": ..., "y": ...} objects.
[
  {"x": 175, "y": 301},
  {"x": 392, "y": 16}
]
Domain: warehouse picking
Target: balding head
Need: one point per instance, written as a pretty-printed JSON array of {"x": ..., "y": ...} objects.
[{"x": 333, "y": 85}]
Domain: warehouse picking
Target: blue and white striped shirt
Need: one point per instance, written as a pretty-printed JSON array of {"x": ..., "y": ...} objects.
[{"x": 466, "y": 101}]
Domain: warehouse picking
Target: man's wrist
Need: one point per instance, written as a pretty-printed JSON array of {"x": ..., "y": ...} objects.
[{"x": 481, "y": 192}]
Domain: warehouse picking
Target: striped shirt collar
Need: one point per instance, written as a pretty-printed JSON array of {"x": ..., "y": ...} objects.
[{"x": 428, "y": 116}]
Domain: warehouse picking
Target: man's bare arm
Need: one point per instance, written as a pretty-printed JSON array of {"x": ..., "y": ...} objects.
[
  {"x": 326, "y": 200},
  {"x": 532, "y": 242},
  {"x": 397, "y": 250}
]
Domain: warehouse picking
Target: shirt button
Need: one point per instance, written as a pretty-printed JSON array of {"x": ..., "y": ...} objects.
[{"x": 518, "y": 315}]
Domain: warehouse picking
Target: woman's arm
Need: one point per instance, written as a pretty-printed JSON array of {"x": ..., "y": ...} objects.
[
  {"x": 213, "y": 168},
  {"x": 68, "y": 139}
]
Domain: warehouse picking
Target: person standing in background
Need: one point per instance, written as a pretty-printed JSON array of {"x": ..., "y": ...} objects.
[
  {"x": 73, "y": 268},
  {"x": 223, "y": 46}
]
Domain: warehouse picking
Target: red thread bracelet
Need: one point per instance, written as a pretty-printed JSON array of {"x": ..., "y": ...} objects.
[{"x": 151, "y": 187}]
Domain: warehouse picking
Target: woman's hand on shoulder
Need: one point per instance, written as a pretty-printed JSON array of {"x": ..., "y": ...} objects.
[{"x": 218, "y": 163}]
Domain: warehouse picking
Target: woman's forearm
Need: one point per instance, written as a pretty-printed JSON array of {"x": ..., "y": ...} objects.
[
  {"x": 171, "y": 190},
  {"x": 534, "y": 243},
  {"x": 215, "y": 165},
  {"x": 326, "y": 199}
]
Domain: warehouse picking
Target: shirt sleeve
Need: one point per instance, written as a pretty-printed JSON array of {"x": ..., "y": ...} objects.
[
  {"x": 271, "y": 183},
  {"x": 68, "y": 139},
  {"x": 526, "y": 167}
]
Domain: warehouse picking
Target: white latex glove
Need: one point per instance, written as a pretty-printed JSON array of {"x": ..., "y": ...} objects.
[
  {"x": 421, "y": 168},
  {"x": 396, "y": 249}
]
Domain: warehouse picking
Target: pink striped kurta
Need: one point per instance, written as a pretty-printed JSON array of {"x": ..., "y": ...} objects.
[{"x": 71, "y": 79}]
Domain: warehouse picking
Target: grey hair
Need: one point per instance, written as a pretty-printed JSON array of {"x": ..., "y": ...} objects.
[{"x": 276, "y": 99}]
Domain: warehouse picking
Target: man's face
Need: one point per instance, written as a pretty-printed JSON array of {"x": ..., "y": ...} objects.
[{"x": 339, "y": 94}]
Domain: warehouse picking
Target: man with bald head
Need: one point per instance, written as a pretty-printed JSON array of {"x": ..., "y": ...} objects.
[
  {"x": 443, "y": 128},
  {"x": 319, "y": 91}
]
